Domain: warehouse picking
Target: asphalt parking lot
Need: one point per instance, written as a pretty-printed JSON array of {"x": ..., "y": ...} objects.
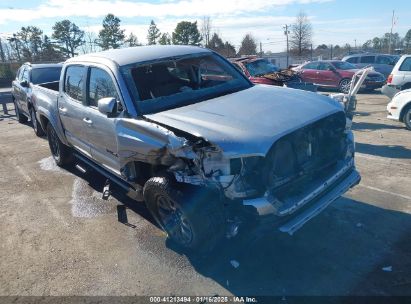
[{"x": 58, "y": 237}]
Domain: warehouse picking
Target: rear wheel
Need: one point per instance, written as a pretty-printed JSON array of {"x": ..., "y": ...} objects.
[
  {"x": 61, "y": 153},
  {"x": 20, "y": 117},
  {"x": 345, "y": 85},
  {"x": 407, "y": 118},
  {"x": 192, "y": 217},
  {"x": 38, "y": 130}
]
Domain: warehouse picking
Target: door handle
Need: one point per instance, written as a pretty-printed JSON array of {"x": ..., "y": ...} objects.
[{"x": 88, "y": 121}]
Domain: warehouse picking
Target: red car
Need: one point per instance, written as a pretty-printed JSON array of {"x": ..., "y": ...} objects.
[{"x": 337, "y": 74}]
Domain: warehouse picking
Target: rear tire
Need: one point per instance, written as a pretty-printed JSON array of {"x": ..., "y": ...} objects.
[
  {"x": 61, "y": 153},
  {"x": 20, "y": 117},
  {"x": 344, "y": 85},
  {"x": 191, "y": 216},
  {"x": 407, "y": 118},
  {"x": 38, "y": 130}
]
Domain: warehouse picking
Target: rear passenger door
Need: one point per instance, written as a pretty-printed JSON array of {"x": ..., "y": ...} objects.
[
  {"x": 71, "y": 107},
  {"x": 101, "y": 132}
]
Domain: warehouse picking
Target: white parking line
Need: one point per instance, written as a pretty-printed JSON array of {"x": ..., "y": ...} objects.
[{"x": 385, "y": 191}]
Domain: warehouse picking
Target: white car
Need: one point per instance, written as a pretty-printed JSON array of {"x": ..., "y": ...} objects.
[
  {"x": 400, "y": 108},
  {"x": 400, "y": 77}
]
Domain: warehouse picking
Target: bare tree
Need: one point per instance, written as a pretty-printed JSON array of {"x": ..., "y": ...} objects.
[
  {"x": 301, "y": 35},
  {"x": 206, "y": 30}
]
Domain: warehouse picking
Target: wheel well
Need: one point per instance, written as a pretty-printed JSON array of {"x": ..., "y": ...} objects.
[
  {"x": 406, "y": 86},
  {"x": 44, "y": 122},
  {"x": 404, "y": 110}
]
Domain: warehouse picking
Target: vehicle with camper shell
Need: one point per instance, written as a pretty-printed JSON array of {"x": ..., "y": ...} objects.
[{"x": 180, "y": 128}]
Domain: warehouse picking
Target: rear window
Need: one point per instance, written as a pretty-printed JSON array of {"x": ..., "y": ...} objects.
[
  {"x": 73, "y": 83},
  {"x": 367, "y": 59},
  {"x": 406, "y": 65},
  {"x": 44, "y": 75}
]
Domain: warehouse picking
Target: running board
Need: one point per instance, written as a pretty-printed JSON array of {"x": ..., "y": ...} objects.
[{"x": 136, "y": 194}]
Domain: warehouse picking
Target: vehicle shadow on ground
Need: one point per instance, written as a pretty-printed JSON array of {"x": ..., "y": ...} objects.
[
  {"x": 389, "y": 151},
  {"x": 341, "y": 252},
  {"x": 361, "y": 126}
]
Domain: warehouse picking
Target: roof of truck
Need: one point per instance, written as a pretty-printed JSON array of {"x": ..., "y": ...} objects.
[{"x": 141, "y": 53}]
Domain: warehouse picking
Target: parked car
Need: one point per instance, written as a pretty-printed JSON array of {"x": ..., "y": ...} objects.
[
  {"x": 381, "y": 63},
  {"x": 400, "y": 78},
  {"x": 337, "y": 74},
  {"x": 400, "y": 108},
  {"x": 262, "y": 71},
  {"x": 29, "y": 79},
  {"x": 182, "y": 129}
]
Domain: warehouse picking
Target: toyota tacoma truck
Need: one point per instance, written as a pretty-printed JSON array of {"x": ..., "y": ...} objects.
[
  {"x": 180, "y": 128},
  {"x": 30, "y": 79}
]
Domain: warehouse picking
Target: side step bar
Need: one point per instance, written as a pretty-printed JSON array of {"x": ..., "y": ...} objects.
[
  {"x": 299, "y": 220},
  {"x": 136, "y": 194}
]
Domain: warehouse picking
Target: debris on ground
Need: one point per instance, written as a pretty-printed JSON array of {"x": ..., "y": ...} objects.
[
  {"x": 387, "y": 268},
  {"x": 234, "y": 263}
]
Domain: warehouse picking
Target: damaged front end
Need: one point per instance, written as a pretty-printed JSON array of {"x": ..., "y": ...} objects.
[{"x": 303, "y": 172}]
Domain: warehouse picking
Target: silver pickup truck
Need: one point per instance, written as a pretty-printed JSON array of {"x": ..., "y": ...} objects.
[{"x": 183, "y": 130}]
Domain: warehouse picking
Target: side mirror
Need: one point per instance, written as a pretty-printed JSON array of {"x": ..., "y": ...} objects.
[
  {"x": 107, "y": 106},
  {"x": 24, "y": 84}
]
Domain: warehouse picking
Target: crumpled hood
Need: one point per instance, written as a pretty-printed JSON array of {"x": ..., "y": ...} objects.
[{"x": 250, "y": 121}]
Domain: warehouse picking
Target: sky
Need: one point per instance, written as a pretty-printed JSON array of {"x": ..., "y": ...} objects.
[{"x": 333, "y": 21}]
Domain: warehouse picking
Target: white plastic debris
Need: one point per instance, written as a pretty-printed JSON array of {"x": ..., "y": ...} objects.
[
  {"x": 387, "y": 269},
  {"x": 234, "y": 263}
]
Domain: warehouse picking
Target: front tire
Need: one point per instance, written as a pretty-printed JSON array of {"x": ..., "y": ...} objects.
[
  {"x": 345, "y": 85},
  {"x": 20, "y": 117},
  {"x": 34, "y": 122},
  {"x": 191, "y": 216},
  {"x": 61, "y": 153}
]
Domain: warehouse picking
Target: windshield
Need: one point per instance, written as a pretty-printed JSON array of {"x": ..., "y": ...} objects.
[
  {"x": 176, "y": 82},
  {"x": 342, "y": 65},
  {"x": 260, "y": 67},
  {"x": 44, "y": 75}
]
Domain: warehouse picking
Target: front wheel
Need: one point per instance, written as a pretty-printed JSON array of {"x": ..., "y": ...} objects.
[
  {"x": 20, "y": 117},
  {"x": 345, "y": 85},
  {"x": 38, "y": 130},
  {"x": 407, "y": 118},
  {"x": 191, "y": 216},
  {"x": 61, "y": 153}
]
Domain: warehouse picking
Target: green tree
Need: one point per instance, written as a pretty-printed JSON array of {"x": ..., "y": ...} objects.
[
  {"x": 229, "y": 50},
  {"x": 164, "y": 39},
  {"x": 68, "y": 36},
  {"x": 30, "y": 40},
  {"x": 186, "y": 33},
  {"x": 49, "y": 52},
  {"x": 111, "y": 36},
  {"x": 153, "y": 33},
  {"x": 132, "y": 40},
  {"x": 215, "y": 43},
  {"x": 248, "y": 46}
]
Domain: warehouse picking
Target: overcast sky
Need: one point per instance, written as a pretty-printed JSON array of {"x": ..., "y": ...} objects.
[{"x": 333, "y": 21}]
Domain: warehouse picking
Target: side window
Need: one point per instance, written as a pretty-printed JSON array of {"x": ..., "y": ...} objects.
[
  {"x": 100, "y": 85},
  {"x": 311, "y": 66},
  {"x": 323, "y": 66},
  {"x": 352, "y": 60},
  {"x": 367, "y": 59},
  {"x": 73, "y": 82},
  {"x": 384, "y": 60},
  {"x": 406, "y": 65}
]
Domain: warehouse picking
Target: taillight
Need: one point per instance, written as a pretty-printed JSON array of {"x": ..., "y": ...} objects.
[{"x": 389, "y": 79}]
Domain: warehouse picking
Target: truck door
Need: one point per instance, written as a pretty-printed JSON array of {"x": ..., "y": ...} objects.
[
  {"x": 101, "y": 133},
  {"x": 71, "y": 107}
]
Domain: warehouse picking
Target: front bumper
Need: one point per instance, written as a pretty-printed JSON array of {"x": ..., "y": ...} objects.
[{"x": 310, "y": 204}]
